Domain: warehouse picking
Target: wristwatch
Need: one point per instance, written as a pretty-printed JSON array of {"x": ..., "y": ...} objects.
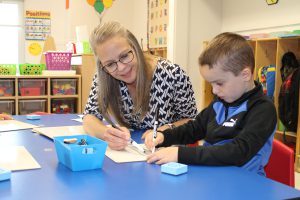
[{"x": 171, "y": 126}]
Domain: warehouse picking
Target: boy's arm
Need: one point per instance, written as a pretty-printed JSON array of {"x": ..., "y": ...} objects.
[
  {"x": 259, "y": 125},
  {"x": 188, "y": 133}
]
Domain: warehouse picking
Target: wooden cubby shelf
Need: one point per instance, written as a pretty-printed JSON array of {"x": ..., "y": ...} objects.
[{"x": 20, "y": 94}]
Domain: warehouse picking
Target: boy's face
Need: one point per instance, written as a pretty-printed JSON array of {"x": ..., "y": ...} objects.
[{"x": 225, "y": 84}]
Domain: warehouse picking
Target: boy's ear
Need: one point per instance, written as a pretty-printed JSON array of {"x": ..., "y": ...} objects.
[{"x": 247, "y": 74}]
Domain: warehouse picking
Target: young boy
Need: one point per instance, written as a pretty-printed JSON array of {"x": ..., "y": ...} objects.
[{"x": 238, "y": 126}]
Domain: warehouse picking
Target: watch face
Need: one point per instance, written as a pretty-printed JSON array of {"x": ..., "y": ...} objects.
[{"x": 271, "y": 2}]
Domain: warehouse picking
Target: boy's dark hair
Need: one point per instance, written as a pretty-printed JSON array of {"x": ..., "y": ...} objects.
[{"x": 230, "y": 51}]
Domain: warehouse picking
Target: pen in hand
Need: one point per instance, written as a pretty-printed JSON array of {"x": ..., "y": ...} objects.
[
  {"x": 132, "y": 142},
  {"x": 155, "y": 128}
]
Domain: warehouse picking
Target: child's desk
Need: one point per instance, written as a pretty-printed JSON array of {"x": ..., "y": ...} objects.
[{"x": 137, "y": 180}]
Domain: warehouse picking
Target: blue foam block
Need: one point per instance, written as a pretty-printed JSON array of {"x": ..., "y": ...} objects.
[
  {"x": 33, "y": 117},
  {"x": 4, "y": 174},
  {"x": 174, "y": 168}
]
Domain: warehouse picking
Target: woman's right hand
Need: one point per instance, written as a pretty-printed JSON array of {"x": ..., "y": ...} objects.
[{"x": 117, "y": 139}]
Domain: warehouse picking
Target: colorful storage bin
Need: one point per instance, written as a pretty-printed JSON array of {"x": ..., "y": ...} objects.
[
  {"x": 7, "y": 69},
  {"x": 31, "y": 106},
  {"x": 63, "y": 86},
  {"x": 7, "y": 87},
  {"x": 7, "y": 107},
  {"x": 80, "y": 157},
  {"x": 58, "y": 60},
  {"x": 31, "y": 69},
  {"x": 63, "y": 106},
  {"x": 32, "y": 87}
]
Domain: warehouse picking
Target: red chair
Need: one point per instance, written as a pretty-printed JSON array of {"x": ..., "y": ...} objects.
[{"x": 281, "y": 164}]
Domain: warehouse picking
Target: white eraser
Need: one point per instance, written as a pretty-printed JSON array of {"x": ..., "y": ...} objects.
[
  {"x": 174, "y": 168},
  {"x": 33, "y": 117}
]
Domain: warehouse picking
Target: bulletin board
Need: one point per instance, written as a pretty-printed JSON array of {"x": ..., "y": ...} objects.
[
  {"x": 158, "y": 17},
  {"x": 37, "y": 25}
]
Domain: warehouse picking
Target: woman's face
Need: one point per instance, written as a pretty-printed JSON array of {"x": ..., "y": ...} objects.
[{"x": 116, "y": 50}]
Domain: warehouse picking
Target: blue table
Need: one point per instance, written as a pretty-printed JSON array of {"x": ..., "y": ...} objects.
[{"x": 137, "y": 180}]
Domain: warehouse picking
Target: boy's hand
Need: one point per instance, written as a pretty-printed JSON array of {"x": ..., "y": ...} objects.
[
  {"x": 117, "y": 139},
  {"x": 148, "y": 136},
  {"x": 169, "y": 154}
]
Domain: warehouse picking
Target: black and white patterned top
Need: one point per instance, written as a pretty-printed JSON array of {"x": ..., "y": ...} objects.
[{"x": 171, "y": 90}]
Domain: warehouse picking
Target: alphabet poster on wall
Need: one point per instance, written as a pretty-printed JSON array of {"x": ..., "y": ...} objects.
[
  {"x": 158, "y": 23},
  {"x": 37, "y": 25}
]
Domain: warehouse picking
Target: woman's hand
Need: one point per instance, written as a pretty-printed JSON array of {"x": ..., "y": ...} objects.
[
  {"x": 117, "y": 139},
  {"x": 165, "y": 155},
  {"x": 5, "y": 117}
]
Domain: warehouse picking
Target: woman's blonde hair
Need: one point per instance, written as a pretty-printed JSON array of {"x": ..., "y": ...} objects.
[{"x": 109, "y": 96}]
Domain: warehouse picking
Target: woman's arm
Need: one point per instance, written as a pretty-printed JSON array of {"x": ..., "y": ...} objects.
[{"x": 116, "y": 139}]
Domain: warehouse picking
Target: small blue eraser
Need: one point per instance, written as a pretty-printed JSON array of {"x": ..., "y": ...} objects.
[
  {"x": 4, "y": 174},
  {"x": 33, "y": 117},
  {"x": 174, "y": 168}
]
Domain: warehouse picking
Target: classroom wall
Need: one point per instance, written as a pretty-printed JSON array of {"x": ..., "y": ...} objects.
[
  {"x": 256, "y": 16},
  {"x": 205, "y": 22},
  {"x": 194, "y": 21},
  {"x": 178, "y": 34},
  {"x": 208, "y": 18},
  {"x": 131, "y": 13}
]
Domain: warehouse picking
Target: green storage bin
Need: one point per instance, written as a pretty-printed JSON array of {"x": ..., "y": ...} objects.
[
  {"x": 31, "y": 69},
  {"x": 296, "y": 32},
  {"x": 7, "y": 69}
]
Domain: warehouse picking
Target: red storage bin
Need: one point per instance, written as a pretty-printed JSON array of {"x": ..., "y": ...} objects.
[{"x": 32, "y": 87}]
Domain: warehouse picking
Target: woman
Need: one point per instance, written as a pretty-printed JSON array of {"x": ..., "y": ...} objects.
[{"x": 130, "y": 86}]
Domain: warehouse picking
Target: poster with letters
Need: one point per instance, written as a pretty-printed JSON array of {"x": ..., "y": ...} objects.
[{"x": 158, "y": 17}]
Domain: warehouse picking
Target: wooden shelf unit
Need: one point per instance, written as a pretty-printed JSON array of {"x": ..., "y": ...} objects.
[
  {"x": 85, "y": 65},
  {"x": 48, "y": 96},
  {"x": 161, "y": 52},
  {"x": 266, "y": 52}
]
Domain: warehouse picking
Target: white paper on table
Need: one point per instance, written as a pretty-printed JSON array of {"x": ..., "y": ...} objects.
[
  {"x": 14, "y": 125},
  {"x": 17, "y": 158},
  {"x": 52, "y": 132},
  {"x": 129, "y": 154}
]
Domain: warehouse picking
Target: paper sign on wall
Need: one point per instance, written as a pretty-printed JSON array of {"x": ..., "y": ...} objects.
[{"x": 37, "y": 25}]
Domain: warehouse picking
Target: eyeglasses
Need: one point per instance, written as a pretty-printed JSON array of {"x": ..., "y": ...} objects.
[{"x": 124, "y": 59}]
